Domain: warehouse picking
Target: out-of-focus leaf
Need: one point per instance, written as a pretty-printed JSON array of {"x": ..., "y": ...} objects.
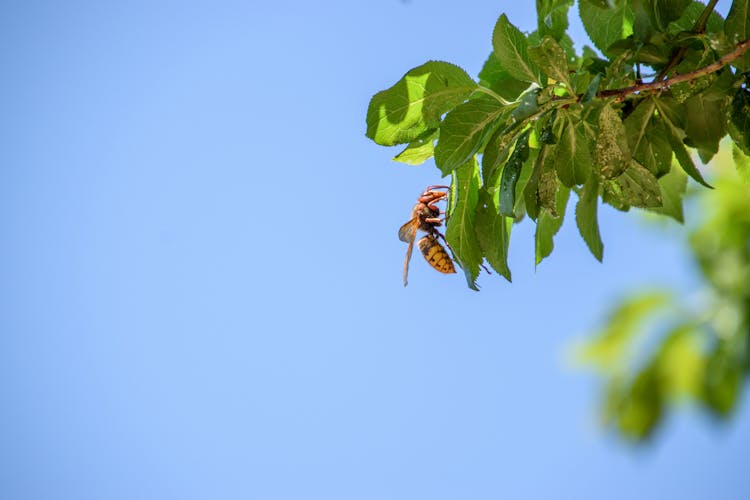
[
  {"x": 640, "y": 407},
  {"x": 722, "y": 381},
  {"x": 416, "y": 102},
  {"x": 680, "y": 362},
  {"x": 611, "y": 348},
  {"x": 742, "y": 163}
]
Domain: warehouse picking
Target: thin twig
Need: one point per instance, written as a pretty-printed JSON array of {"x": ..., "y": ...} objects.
[
  {"x": 622, "y": 93},
  {"x": 698, "y": 28}
]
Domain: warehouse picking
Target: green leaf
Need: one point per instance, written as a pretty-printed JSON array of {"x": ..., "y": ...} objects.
[
  {"x": 672, "y": 187},
  {"x": 723, "y": 380},
  {"x": 415, "y": 104},
  {"x": 548, "y": 225},
  {"x": 689, "y": 17},
  {"x": 531, "y": 189},
  {"x": 572, "y": 158},
  {"x": 737, "y": 25},
  {"x": 740, "y": 119},
  {"x": 461, "y": 232},
  {"x": 673, "y": 117},
  {"x": 418, "y": 151},
  {"x": 612, "y": 348},
  {"x": 705, "y": 121},
  {"x": 464, "y": 130},
  {"x": 547, "y": 189},
  {"x": 545, "y": 127},
  {"x": 638, "y": 187},
  {"x": 680, "y": 362},
  {"x": 606, "y": 25},
  {"x": 663, "y": 12},
  {"x": 511, "y": 49},
  {"x": 497, "y": 79},
  {"x": 647, "y": 139},
  {"x": 641, "y": 405},
  {"x": 552, "y": 17},
  {"x": 612, "y": 150},
  {"x": 586, "y": 217},
  {"x": 493, "y": 232},
  {"x": 742, "y": 163},
  {"x": 550, "y": 56},
  {"x": 511, "y": 172},
  {"x": 592, "y": 89}
]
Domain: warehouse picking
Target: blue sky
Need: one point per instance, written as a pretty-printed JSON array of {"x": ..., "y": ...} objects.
[{"x": 202, "y": 281}]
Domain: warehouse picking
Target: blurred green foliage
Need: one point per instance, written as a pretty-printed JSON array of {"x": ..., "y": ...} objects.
[{"x": 660, "y": 349}]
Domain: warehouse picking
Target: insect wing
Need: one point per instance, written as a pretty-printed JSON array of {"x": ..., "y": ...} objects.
[
  {"x": 436, "y": 255},
  {"x": 406, "y": 261},
  {"x": 408, "y": 231}
]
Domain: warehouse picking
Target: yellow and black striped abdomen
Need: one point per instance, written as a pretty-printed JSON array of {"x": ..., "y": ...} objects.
[{"x": 436, "y": 255}]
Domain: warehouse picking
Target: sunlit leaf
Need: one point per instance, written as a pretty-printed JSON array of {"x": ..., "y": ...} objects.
[
  {"x": 418, "y": 151},
  {"x": 511, "y": 49},
  {"x": 606, "y": 25},
  {"x": 416, "y": 102},
  {"x": 464, "y": 130}
]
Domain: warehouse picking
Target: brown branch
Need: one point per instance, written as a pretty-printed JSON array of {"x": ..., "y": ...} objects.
[{"x": 622, "y": 93}]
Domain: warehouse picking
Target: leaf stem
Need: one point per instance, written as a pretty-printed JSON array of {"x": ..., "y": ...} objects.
[
  {"x": 621, "y": 94},
  {"x": 492, "y": 93}
]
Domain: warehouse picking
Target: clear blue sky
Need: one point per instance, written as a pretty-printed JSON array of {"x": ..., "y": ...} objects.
[{"x": 202, "y": 291}]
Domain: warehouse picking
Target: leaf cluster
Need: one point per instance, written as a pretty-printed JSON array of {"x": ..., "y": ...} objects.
[
  {"x": 659, "y": 349},
  {"x": 543, "y": 121}
]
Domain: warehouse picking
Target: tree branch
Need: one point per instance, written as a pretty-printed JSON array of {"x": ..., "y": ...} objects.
[{"x": 621, "y": 94}]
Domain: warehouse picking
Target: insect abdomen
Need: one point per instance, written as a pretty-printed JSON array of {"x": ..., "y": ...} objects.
[{"x": 436, "y": 255}]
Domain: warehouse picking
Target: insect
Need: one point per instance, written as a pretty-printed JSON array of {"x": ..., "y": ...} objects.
[{"x": 425, "y": 216}]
